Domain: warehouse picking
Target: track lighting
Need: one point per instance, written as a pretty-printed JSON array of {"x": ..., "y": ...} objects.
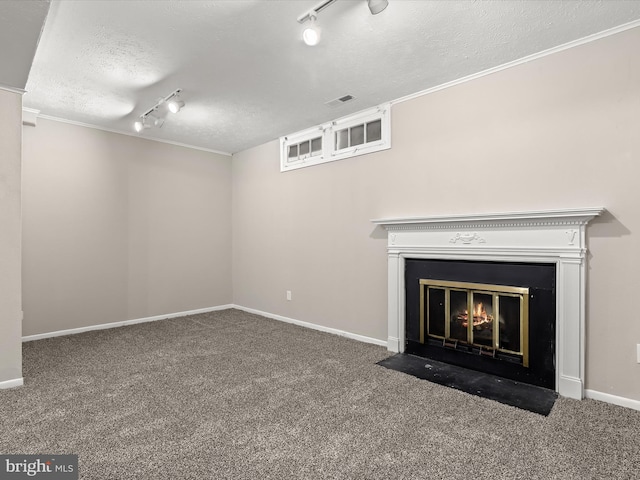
[
  {"x": 376, "y": 6},
  {"x": 311, "y": 34},
  {"x": 155, "y": 116}
]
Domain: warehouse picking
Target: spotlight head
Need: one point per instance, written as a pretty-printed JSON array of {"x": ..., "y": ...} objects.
[
  {"x": 376, "y": 6},
  {"x": 175, "y": 104},
  {"x": 140, "y": 124},
  {"x": 311, "y": 34}
]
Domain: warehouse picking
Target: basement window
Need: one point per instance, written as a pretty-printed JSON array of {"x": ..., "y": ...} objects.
[
  {"x": 305, "y": 149},
  {"x": 364, "y": 132}
]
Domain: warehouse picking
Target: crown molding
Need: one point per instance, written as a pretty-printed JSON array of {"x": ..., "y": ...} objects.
[
  {"x": 520, "y": 61},
  {"x": 7, "y": 88}
]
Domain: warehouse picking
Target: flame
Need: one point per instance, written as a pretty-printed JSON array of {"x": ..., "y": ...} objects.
[{"x": 480, "y": 316}]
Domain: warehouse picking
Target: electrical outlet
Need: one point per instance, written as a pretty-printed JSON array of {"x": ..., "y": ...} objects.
[{"x": 289, "y": 298}]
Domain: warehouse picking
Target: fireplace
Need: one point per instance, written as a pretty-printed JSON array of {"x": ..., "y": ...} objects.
[
  {"x": 495, "y": 317},
  {"x": 529, "y": 328}
]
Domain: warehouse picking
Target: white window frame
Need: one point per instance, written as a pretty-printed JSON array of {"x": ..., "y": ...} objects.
[
  {"x": 328, "y": 133},
  {"x": 296, "y": 138}
]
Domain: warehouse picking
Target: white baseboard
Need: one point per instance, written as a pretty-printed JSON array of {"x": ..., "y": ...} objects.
[
  {"x": 73, "y": 331},
  {"x": 607, "y": 397},
  {"x": 16, "y": 382},
  {"x": 335, "y": 331}
]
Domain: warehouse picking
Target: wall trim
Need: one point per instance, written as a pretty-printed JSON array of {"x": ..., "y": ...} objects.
[
  {"x": 520, "y": 61},
  {"x": 314, "y": 326},
  {"x": 16, "y": 382},
  {"x": 19, "y": 91},
  {"x": 104, "y": 326},
  {"x": 614, "y": 399},
  {"x": 130, "y": 134}
]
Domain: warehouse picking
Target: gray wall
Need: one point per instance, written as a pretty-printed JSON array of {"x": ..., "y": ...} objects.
[
  {"x": 119, "y": 228},
  {"x": 558, "y": 132},
  {"x": 10, "y": 243}
]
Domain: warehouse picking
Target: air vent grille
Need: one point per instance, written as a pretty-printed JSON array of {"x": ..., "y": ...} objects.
[{"x": 340, "y": 100}]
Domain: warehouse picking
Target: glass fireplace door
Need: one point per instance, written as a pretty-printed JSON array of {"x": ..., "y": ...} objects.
[{"x": 491, "y": 319}]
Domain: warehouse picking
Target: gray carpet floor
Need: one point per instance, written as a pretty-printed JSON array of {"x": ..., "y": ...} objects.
[{"x": 230, "y": 395}]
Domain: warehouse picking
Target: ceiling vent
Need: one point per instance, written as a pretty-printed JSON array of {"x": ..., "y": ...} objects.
[{"x": 340, "y": 101}]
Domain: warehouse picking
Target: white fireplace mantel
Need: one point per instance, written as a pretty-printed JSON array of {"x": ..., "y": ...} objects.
[{"x": 545, "y": 236}]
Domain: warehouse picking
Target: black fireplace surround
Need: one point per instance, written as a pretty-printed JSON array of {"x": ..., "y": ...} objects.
[{"x": 540, "y": 278}]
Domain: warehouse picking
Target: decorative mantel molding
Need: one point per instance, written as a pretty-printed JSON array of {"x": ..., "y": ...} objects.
[
  {"x": 572, "y": 216},
  {"x": 542, "y": 236}
]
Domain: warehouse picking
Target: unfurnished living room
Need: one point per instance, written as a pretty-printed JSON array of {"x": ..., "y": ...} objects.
[{"x": 346, "y": 239}]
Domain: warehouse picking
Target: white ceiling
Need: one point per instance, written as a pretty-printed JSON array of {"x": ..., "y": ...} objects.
[{"x": 248, "y": 78}]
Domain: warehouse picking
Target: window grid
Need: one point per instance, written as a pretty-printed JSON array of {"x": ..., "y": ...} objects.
[{"x": 358, "y": 134}]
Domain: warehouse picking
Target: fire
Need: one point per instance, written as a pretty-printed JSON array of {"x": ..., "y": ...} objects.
[{"x": 480, "y": 316}]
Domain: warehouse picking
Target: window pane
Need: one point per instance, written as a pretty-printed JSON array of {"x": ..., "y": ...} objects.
[
  {"x": 293, "y": 151},
  {"x": 316, "y": 146},
  {"x": 374, "y": 131},
  {"x": 342, "y": 139},
  {"x": 357, "y": 135},
  {"x": 304, "y": 148}
]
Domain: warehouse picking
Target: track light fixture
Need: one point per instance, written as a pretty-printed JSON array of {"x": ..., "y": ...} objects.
[
  {"x": 311, "y": 34},
  {"x": 376, "y": 6},
  {"x": 155, "y": 116}
]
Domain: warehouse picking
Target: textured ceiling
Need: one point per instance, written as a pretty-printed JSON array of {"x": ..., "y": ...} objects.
[{"x": 248, "y": 78}]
